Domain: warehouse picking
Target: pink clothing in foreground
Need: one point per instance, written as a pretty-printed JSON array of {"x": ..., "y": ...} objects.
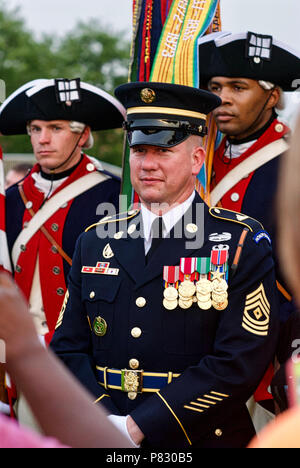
[{"x": 14, "y": 436}]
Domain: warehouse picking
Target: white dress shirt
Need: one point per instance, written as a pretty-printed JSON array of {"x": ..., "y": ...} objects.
[{"x": 170, "y": 219}]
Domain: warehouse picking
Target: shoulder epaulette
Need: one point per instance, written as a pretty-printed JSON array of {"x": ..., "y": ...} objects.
[
  {"x": 115, "y": 219},
  {"x": 222, "y": 213}
]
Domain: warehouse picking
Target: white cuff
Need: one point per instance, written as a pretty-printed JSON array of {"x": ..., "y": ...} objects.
[{"x": 120, "y": 423}]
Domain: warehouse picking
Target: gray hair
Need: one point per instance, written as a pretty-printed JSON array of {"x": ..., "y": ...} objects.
[
  {"x": 267, "y": 85},
  {"x": 78, "y": 127}
]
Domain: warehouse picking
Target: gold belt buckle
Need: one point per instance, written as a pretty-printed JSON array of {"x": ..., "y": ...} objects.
[{"x": 132, "y": 381}]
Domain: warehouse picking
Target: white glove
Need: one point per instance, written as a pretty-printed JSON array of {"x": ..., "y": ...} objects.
[{"x": 120, "y": 423}]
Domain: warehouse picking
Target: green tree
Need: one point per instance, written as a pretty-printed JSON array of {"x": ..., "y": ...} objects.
[{"x": 88, "y": 52}]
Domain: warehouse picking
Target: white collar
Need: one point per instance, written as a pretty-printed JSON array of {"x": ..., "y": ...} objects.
[
  {"x": 234, "y": 151},
  {"x": 44, "y": 185},
  {"x": 170, "y": 218}
]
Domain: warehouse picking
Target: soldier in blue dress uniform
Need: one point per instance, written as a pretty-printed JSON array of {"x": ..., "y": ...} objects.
[{"x": 172, "y": 328}]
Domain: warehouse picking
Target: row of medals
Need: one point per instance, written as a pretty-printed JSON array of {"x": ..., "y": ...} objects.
[{"x": 205, "y": 293}]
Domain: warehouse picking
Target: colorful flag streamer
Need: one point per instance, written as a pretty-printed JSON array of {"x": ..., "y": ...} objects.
[{"x": 164, "y": 43}]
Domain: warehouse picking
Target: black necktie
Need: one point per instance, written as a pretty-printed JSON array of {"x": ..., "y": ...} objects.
[{"x": 156, "y": 234}]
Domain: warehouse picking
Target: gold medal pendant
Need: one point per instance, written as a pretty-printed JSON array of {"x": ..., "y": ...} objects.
[
  {"x": 219, "y": 297},
  {"x": 170, "y": 293},
  {"x": 219, "y": 292},
  {"x": 170, "y": 304},
  {"x": 206, "y": 305},
  {"x": 220, "y": 305},
  {"x": 185, "y": 303},
  {"x": 203, "y": 286},
  {"x": 187, "y": 289},
  {"x": 170, "y": 276},
  {"x": 170, "y": 301}
]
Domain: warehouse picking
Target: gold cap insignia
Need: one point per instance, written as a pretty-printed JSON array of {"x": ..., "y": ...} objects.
[{"x": 148, "y": 95}]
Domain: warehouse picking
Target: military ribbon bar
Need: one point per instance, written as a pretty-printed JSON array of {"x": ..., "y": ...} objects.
[
  {"x": 188, "y": 265},
  {"x": 203, "y": 265},
  {"x": 219, "y": 256},
  {"x": 188, "y": 268},
  {"x": 171, "y": 274},
  {"x": 102, "y": 268}
]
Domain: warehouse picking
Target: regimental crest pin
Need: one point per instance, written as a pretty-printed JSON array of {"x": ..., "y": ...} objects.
[{"x": 100, "y": 326}]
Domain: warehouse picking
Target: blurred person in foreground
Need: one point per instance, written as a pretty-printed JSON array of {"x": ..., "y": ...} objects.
[
  {"x": 16, "y": 174},
  {"x": 284, "y": 432},
  {"x": 45, "y": 383}
]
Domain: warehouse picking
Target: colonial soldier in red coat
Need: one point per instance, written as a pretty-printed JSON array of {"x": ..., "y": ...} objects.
[
  {"x": 250, "y": 73},
  {"x": 49, "y": 208}
]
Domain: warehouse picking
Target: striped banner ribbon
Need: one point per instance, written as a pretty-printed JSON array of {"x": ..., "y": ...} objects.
[
  {"x": 176, "y": 57},
  {"x": 164, "y": 49}
]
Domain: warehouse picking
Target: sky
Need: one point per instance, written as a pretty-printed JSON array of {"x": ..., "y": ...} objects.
[
  {"x": 279, "y": 18},
  {"x": 276, "y": 17}
]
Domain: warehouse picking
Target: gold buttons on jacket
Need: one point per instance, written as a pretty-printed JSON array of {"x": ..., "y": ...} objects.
[
  {"x": 92, "y": 295},
  {"x": 141, "y": 302},
  {"x": 192, "y": 228},
  {"x": 134, "y": 364},
  {"x": 136, "y": 332},
  {"x": 218, "y": 432}
]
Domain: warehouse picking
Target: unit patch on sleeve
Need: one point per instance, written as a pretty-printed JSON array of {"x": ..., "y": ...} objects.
[{"x": 256, "y": 316}]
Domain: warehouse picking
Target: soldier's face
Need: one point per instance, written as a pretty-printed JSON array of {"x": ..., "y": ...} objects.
[
  {"x": 166, "y": 175},
  {"x": 245, "y": 106},
  {"x": 53, "y": 143}
]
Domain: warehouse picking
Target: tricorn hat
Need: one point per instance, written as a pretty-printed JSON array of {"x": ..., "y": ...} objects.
[
  {"x": 164, "y": 114},
  {"x": 248, "y": 55},
  {"x": 60, "y": 99}
]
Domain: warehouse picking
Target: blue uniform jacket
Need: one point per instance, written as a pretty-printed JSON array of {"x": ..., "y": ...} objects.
[{"x": 200, "y": 366}]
